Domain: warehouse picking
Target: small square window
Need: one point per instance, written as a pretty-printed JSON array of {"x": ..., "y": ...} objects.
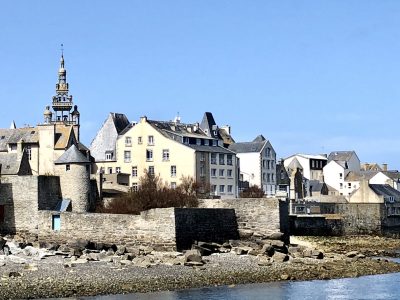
[
  {"x": 56, "y": 222},
  {"x": 67, "y": 167}
]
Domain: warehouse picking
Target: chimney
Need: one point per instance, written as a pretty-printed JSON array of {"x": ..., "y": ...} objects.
[
  {"x": 227, "y": 129},
  {"x": 385, "y": 167},
  {"x": 366, "y": 166},
  {"x": 143, "y": 119}
]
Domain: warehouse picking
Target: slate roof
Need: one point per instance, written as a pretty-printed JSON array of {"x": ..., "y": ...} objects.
[
  {"x": 13, "y": 136},
  {"x": 211, "y": 149},
  {"x": 308, "y": 156},
  {"x": 255, "y": 146},
  {"x": 170, "y": 129},
  {"x": 358, "y": 176},
  {"x": 385, "y": 190},
  {"x": 120, "y": 121},
  {"x": 340, "y": 155},
  {"x": 208, "y": 125},
  {"x": 72, "y": 156},
  {"x": 394, "y": 175}
]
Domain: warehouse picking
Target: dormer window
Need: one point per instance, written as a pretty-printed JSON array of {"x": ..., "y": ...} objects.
[
  {"x": 109, "y": 155},
  {"x": 214, "y": 143},
  {"x": 185, "y": 140},
  {"x": 206, "y": 142},
  {"x": 198, "y": 142}
]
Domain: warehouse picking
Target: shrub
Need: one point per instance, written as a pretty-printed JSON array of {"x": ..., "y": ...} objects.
[
  {"x": 153, "y": 193},
  {"x": 252, "y": 192}
]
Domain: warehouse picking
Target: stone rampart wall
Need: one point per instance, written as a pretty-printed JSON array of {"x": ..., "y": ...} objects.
[
  {"x": 261, "y": 215},
  {"x": 154, "y": 227}
]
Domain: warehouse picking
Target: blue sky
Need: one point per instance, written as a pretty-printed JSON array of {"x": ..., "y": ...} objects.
[{"x": 311, "y": 76}]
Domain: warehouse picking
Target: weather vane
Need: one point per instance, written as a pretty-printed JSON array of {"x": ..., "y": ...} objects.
[{"x": 62, "y": 49}]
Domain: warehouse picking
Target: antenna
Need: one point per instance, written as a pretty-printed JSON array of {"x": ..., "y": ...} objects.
[{"x": 62, "y": 49}]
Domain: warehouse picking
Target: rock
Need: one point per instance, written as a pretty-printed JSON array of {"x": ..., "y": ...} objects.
[
  {"x": 264, "y": 261},
  {"x": 285, "y": 277},
  {"x": 13, "y": 247},
  {"x": 193, "y": 255},
  {"x": 258, "y": 235},
  {"x": 238, "y": 250},
  {"x": 2, "y": 242},
  {"x": 6, "y": 250},
  {"x": 30, "y": 251},
  {"x": 145, "y": 250},
  {"x": 254, "y": 252},
  {"x": 268, "y": 250},
  {"x": 128, "y": 256},
  {"x": 351, "y": 254},
  {"x": 142, "y": 262},
  {"x": 360, "y": 256},
  {"x": 275, "y": 236},
  {"x": 213, "y": 247},
  {"x": 121, "y": 250},
  {"x": 280, "y": 257},
  {"x": 134, "y": 251},
  {"x": 79, "y": 244},
  {"x": 203, "y": 251},
  {"x": 125, "y": 262},
  {"x": 317, "y": 254},
  {"x": 93, "y": 256},
  {"x": 193, "y": 264},
  {"x": 307, "y": 252},
  {"x": 16, "y": 259},
  {"x": 12, "y": 274},
  {"x": 80, "y": 261},
  {"x": 277, "y": 244},
  {"x": 245, "y": 233}
]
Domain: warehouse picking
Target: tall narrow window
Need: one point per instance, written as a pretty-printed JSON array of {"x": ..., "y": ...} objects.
[
  {"x": 229, "y": 159},
  {"x": 150, "y": 140},
  {"x": 28, "y": 150},
  {"x": 67, "y": 167},
  {"x": 128, "y": 141},
  {"x": 213, "y": 158},
  {"x": 135, "y": 187},
  {"x": 149, "y": 155},
  {"x": 165, "y": 155},
  {"x": 134, "y": 171},
  {"x": 221, "y": 159},
  {"x": 139, "y": 140},
  {"x": 151, "y": 170},
  {"x": 127, "y": 156},
  {"x": 173, "y": 171}
]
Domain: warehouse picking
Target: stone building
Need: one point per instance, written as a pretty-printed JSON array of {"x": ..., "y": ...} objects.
[{"x": 45, "y": 167}]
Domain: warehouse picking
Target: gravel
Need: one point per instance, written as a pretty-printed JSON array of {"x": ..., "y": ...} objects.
[{"x": 49, "y": 278}]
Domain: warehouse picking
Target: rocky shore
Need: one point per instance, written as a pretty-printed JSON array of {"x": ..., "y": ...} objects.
[{"x": 74, "y": 270}]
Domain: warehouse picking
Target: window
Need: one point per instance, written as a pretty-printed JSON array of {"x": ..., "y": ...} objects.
[
  {"x": 173, "y": 171},
  {"x": 128, "y": 141},
  {"x": 206, "y": 142},
  {"x": 340, "y": 175},
  {"x": 127, "y": 156},
  {"x": 56, "y": 222},
  {"x": 87, "y": 168},
  {"x": 28, "y": 150},
  {"x": 13, "y": 147},
  {"x": 221, "y": 172},
  {"x": 202, "y": 174},
  {"x": 229, "y": 159},
  {"x": 165, "y": 155},
  {"x": 135, "y": 187},
  {"x": 214, "y": 143},
  {"x": 222, "y": 189},
  {"x": 272, "y": 178},
  {"x": 349, "y": 185},
  {"x": 264, "y": 176},
  {"x": 202, "y": 156},
  {"x": 268, "y": 152},
  {"x": 110, "y": 170},
  {"x": 282, "y": 174},
  {"x": 230, "y": 188},
  {"x": 214, "y": 189},
  {"x": 67, "y": 167},
  {"x": 173, "y": 185},
  {"x": 221, "y": 159},
  {"x": 109, "y": 155},
  {"x": 198, "y": 142},
  {"x": 150, "y": 140},
  {"x": 229, "y": 173},
  {"x": 185, "y": 140},
  {"x": 213, "y": 158},
  {"x": 268, "y": 164},
  {"x": 268, "y": 177},
  {"x": 312, "y": 164},
  {"x": 151, "y": 170},
  {"x": 118, "y": 170},
  {"x": 213, "y": 172},
  {"x": 134, "y": 171},
  {"x": 341, "y": 185},
  {"x": 139, "y": 140},
  {"x": 149, "y": 155}
]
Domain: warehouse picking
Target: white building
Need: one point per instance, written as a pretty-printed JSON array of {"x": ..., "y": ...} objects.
[
  {"x": 340, "y": 164},
  {"x": 257, "y": 163}
]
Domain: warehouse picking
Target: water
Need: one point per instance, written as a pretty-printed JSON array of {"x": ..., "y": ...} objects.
[{"x": 374, "y": 287}]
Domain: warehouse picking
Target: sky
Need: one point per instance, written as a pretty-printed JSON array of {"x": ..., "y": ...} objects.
[{"x": 311, "y": 76}]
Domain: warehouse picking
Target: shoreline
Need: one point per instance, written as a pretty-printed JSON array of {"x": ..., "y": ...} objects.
[{"x": 50, "y": 278}]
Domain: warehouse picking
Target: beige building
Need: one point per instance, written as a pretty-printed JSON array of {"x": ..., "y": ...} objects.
[{"x": 171, "y": 150}]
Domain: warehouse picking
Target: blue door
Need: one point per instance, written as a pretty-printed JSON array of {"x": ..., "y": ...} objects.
[{"x": 56, "y": 224}]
